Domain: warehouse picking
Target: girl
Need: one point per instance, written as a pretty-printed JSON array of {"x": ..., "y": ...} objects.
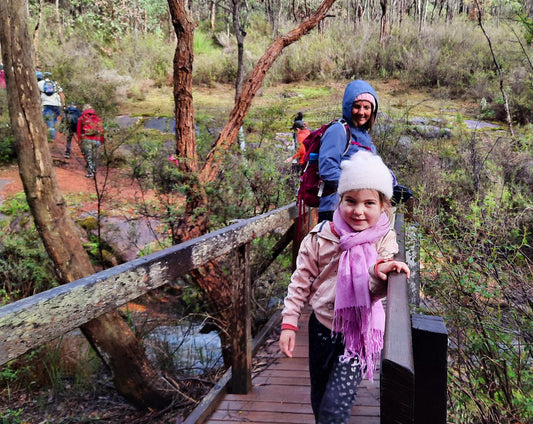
[
  {"x": 341, "y": 272},
  {"x": 359, "y": 109}
]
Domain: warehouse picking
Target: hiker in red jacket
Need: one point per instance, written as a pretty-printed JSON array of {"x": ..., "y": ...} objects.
[{"x": 91, "y": 137}]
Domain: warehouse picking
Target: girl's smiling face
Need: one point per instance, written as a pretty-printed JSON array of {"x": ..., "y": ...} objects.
[
  {"x": 361, "y": 209},
  {"x": 361, "y": 112}
]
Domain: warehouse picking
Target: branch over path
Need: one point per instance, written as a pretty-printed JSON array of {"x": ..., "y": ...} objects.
[{"x": 253, "y": 84}]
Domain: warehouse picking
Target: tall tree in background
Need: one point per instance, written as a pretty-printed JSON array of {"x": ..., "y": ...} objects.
[
  {"x": 110, "y": 336},
  {"x": 239, "y": 14},
  {"x": 194, "y": 222}
]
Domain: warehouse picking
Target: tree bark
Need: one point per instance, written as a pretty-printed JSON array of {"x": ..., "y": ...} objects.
[
  {"x": 58, "y": 23},
  {"x": 109, "y": 335},
  {"x": 194, "y": 221}
]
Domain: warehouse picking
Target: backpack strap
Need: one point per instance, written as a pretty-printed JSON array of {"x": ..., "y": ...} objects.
[
  {"x": 348, "y": 135},
  {"x": 349, "y": 138},
  {"x": 321, "y": 226}
]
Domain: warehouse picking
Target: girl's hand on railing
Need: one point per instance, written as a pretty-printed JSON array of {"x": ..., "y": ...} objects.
[
  {"x": 382, "y": 268},
  {"x": 287, "y": 341}
]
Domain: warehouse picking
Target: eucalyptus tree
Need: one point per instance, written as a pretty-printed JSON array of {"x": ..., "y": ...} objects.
[
  {"x": 109, "y": 334},
  {"x": 195, "y": 221}
]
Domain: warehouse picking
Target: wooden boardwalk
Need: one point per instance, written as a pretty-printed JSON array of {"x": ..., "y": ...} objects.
[{"x": 280, "y": 391}]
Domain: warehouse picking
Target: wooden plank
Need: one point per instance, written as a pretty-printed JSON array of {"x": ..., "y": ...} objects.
[
  {"x": 32, "y": 321},
  {"x": 281, "y": 393},
  {"x": 244, "y": 420},
  {"x": 209, "y": 403},
  {"x": 281, "y": 381},
  {"x": 258, "y": 416},
  {"x": 293, "y": 407},
  {"x": 245, "y": 405},
  {"x": 273, "y": 393}
]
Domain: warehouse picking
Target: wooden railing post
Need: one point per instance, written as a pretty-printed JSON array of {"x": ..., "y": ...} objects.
[
  {"x": 296, "y": 241},
  {"x": 430, "y": 351},
  {"x": 241, "y": 377}
]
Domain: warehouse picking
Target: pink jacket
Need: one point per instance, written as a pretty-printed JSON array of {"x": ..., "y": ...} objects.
[{"x": 315, "y": 278}]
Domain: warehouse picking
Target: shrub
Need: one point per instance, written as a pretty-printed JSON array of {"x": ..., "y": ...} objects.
[
  {"x": 25, "y": 268},
  {"x": 475, "y": 239}
]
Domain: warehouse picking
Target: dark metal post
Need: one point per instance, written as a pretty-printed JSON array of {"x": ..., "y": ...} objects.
[
  {"x": 430, "y": 349},
  {"x": 397, "y": 365}
]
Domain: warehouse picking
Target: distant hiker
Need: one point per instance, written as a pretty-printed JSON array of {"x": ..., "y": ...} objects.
[
  {"x": 301, "y": 131},
  {"x": 71, "y": 117},
  {"x": 359, "y": 109},
  {"x": 90, "y": 134},
  {"x": 38, "y": 73},
  {"x": 52, "y": 101},
  {"x": 2, "y": 77}
]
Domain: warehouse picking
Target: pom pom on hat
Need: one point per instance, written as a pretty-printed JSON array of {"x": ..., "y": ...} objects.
[
  {"x": 368, "y": 97},
  {"x": 298, "y": 125},
  {"x": 364, "y": 170}
]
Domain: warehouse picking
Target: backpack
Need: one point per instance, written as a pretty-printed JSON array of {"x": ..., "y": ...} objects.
[
  {"x": 48, "y": 87},
  {"x": 91, "y": 125},
  {"x": 72, "y": 114},
  {"x": 309, "y": 190}
]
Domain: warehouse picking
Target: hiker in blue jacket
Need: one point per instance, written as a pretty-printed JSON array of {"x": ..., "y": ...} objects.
[
  {"x": 359, "y": 109},
  {"x": 52, "y": 101}
]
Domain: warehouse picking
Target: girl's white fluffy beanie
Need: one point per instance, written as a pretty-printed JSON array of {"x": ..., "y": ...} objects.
[{"x": 365, "y": 170}]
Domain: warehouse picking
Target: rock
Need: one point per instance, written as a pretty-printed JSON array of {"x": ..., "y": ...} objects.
[
  {"x": 431, "y": 131},
  {"x": 476, "y": 125},
  {"x": 405, "y": 143}
]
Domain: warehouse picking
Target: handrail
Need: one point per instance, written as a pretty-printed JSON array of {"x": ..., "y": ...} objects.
[
  {"x": 397, "y": 364},
  {"x": 35, "y": 320}
]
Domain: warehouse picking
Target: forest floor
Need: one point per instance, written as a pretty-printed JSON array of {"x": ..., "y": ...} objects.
[{"x": 71, "y": 178}]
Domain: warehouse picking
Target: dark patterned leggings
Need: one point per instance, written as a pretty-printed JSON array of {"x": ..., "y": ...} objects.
[{"x": 333, "y": 383}]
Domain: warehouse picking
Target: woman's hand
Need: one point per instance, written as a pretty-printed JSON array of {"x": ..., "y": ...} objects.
[
  {"x": 287, "y": 341},
  {"x": 383, "y": 268}
]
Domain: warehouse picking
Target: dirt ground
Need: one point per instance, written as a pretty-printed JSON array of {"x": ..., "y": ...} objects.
[{"x": 71, "y": 179}]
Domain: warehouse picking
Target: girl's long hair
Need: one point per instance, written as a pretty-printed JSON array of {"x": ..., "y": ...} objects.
[{"x": 386, "y": 204}]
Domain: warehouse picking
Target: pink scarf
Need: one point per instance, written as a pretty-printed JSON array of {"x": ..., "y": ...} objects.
[{"x": 362, "y": 324}]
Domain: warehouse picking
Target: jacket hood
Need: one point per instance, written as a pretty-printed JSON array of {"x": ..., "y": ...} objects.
[{"x": 351, "y": 91}]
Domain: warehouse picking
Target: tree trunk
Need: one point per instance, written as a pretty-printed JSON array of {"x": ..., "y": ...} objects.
[
  {"x": 109, "y": 335},
  {"x": 195, "y": 220},
  {"x": 382, "y": 33},
  {"x": 240, "y": 32},
  {"x": 36, "y": 34},
  {"x": 58, "y": 23},
  {"x": 213, "y": 15}
]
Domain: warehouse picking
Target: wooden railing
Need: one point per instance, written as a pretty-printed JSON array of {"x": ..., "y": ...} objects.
[
  {"x": 33, "y": 321},
  {"x": 414, "y": 363}
]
